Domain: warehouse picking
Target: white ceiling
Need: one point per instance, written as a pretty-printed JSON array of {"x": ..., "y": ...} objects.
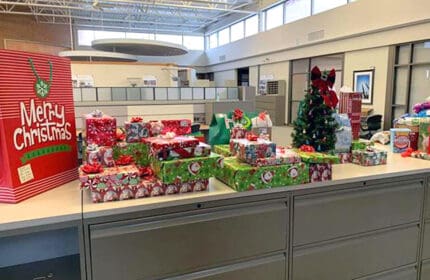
[{"x": 162, "y": 16}]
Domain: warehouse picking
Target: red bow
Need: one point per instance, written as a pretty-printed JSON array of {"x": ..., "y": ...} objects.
[
  {"x": 92, "y": 168},
  {"x": 262, "y": 115},
  {"x": 237, "y": 115},
  {"x": 324, "y": 82},
  {"x": 136, "y": 119},
  {"x": 251, "y": 136},
  {"x": 146, "y": 173},
  {"x": 120, "y": 136},
  {"x": 124, "y": 160},
  {"x": 307, "y": 148}
]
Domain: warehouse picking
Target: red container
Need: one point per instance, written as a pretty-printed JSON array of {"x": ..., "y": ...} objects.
[
  {"x": 350, "y": 103},
  {"x": 179, "y": 127},
  {"x": 37, "y": 124}
]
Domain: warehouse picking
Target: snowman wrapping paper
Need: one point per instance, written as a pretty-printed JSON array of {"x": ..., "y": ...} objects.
[
  {"x": 160, "y": 148},
  {"x": 243, "y": 177},
  {"x": 187, "y": 169}
]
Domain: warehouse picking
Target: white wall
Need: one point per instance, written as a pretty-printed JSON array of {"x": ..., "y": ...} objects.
[
  {"x": 111, "y": 74},
  {"x": 226, "y": 78}
]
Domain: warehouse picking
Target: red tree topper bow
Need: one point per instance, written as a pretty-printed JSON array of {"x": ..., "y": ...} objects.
[
  {"x": 237, "y": 115},
  {"x": 324, "y": 82},
  {"x": 92, "y": 168}
]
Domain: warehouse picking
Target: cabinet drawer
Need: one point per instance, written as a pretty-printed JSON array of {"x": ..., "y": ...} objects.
[
  {"x": 353, "y": 258},
  {"x": 425, "y": 270},
  {"x": 426, "y": 241},
  {"x": 335, "y": 214},
  {"x": 408, "y": 273},
  {"x": 176, "y": 246},
  {"x": 273, "y": 268}
]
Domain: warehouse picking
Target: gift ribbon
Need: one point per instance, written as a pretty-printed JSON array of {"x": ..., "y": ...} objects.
[
  {"x": 92, "y": 168},
  {"x": 124, "y": 160},
  {"x": 251, "y": 137},
  {"x": 136, "y": 119},
  {"x": 262, "y": 116},
  {"x": 92, "y": 147},
  {"x": 237, "y": 115},
  {"x": 96, "y": 114},
  {"x": 146, "y": 173}
]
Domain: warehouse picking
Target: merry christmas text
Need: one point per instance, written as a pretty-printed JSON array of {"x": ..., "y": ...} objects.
[{"x": 40, "y": 123}]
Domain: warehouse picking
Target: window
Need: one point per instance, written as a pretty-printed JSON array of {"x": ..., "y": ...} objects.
[
  {"x": 411, "y": 77},
  {"x": 297, "y": 9},
  {"x": 275, "y": 17},
  {"x": 194, "y": 42},
  {"x": 300, "y": 78},
  {"x": 251, "y": 26},
  {"x": 237, "y": 31},
  {"x": 175, "y": 39},
  {"x": 108, "y": 35},
  {"x": 85, "y": 37},
  {"x": 146, "y": 36},
  {"x": 213, "y": 40},
  {"x": 324, "y": 5},
  {"x": 224, "y": 36}
]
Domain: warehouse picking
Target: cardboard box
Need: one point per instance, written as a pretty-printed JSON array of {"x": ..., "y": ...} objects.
[{"x": 38, "y": 149}]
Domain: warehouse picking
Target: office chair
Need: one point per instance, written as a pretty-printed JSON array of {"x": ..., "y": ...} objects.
[{"x": 370, "y": 126}]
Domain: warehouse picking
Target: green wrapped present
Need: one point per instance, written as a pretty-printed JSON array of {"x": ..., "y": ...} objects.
[
  {"x": 358, "y": 145},
  {"x": 187, "y": 169},
  {"x": 223, "y": 150},
  {"x": 139, "y": 152},
  {"x": 315, "y": 157},
  {"x": 242, "y": 177}
]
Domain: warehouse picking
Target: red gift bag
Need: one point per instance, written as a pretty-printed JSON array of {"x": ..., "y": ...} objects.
[
  {"x": 350, "y": 103},
  {"x": 37, "y": 124}
]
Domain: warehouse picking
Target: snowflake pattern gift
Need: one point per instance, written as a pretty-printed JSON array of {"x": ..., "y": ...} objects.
[{"x": 100, "y": 129}]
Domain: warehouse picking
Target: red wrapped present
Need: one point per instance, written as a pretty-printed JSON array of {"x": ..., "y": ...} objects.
[
  {"x": 180, "y": 147},
  {"x": 149, "y": 187},
  {"x": 116, "y": 177},
  {"x": 92, "y": 154},
  {"x": 106, "y": 156},
  {"x": 319, "y": 172},
  {"x": 184, "y": 187},
  {"x": 179, "y": 127},
  {"x": 350, "y": 103},
  {"x": 38, "y": 148},
  {"x": 238, "y": 132},
  {"x": 344, "y": 157},
  {"x": 136, "y": 129},
  {"x": 100, "y": 129},
  {"x": 283, "y": 156}
]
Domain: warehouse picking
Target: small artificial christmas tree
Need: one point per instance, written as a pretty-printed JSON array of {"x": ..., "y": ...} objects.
[{"x": 315, "y": 125}]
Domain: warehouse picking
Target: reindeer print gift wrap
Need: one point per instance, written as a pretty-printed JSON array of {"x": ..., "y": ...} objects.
[
  {"x": 242, "y": 177},
  {"x": 189, "y": 169}
]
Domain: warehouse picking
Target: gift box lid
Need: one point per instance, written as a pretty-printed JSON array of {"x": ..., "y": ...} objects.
[{"x": 159, "y": 143}]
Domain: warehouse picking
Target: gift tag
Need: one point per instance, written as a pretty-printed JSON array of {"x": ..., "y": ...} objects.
[{"x": 25, "y": 173}]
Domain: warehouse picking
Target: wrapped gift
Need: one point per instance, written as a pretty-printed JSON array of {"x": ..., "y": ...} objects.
[
  {"x": 369, "y": 157},
  {"x": 149, "y": 187},
  {"x": 156, "y": 128},
  {"x": 38, "y": 149},
  {"x": 249, "y": 151},
  {"x": 343, "y": 133},
  {"x": 185, "y": 187},
  {"x": 242, "y": 177},
  {"x": 358, "y": 145},
  {"x": 262, "y": 125},
  {"x": 344, "y": 157},
  {"x": 115, "y": 177},
  {"x": 424, "y": 135},
  {"x": 179, "y": 127},
  {"x": 283, "y": 156},
  {"x": 92, "y": 154},
  {"x": 100, "y": 129},
  {"x": 223, "y": 150},
  {"x": 238, "y": 132},
  {"x": 163, "y": 148},
  {"x": 136, "y": 129},
  {"x": 138, "y": 151},
  {"x": 315, "y": 157},
  {"x": 399, "y": 139},
  {"x": 420, "y": 155},
  {"x": 414, "y": 125},
  {"x": 187, "y": 169},
  {"x": 319, "y": 172},
  {"x": 234, "y": 146},
  {"x": 350, "y": 103}
]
